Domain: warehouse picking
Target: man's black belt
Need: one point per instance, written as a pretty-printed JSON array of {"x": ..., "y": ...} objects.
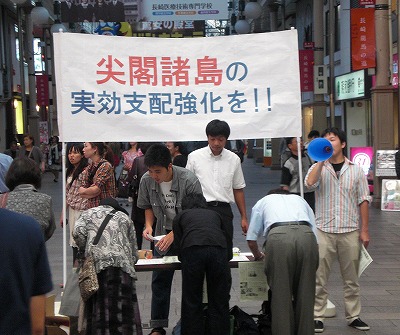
[
  {"x": 289, "y": 223},
  {"x": 218, "y": 204}
]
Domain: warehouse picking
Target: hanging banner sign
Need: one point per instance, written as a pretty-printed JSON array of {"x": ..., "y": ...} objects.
[
  {"x": 366, "y": 2},
  {"x": 168, "y": 89},
  {"x": 173, "y": 29},
  {"x": 363, "y": 38},
  {"x": 42, "y": 90},
  {"x": 306, "y": 59},
  {"x": 166, "y": 10}
]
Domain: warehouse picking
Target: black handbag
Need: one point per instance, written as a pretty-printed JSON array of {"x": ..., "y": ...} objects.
[
  {"x": 88, "y": 283},
  {"x": 123, "y": 184}
]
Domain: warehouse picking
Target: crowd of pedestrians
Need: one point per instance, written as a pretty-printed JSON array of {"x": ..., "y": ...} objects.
[{"x": 182, "y": 203}]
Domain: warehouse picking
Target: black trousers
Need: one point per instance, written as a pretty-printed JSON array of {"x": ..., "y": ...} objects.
[
  {"x": 225, "y": 211},
  {"x": 212, "y": 262}
]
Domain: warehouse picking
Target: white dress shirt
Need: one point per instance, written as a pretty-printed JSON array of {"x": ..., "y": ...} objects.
[
  {"x": 278, "y": 208},
  {"x": 218, "y": 175}
]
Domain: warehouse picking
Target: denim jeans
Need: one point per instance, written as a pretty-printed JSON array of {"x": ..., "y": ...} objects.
[{"x": 161, "y": 294}]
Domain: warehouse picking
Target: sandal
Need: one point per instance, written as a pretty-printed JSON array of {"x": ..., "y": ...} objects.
[{"x": 158, "y": 331}]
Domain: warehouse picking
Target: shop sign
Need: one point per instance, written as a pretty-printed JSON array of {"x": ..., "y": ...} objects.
[
  {"x": 43, "y": 132},
  {"x": 354, "y": 85},
  {"x": 306, "y": 59},
  {"x": 366, "y": 2},
  {"x": 42, "y": 89},
  {"x": 308, "y": 45},
  {"x": 395, "y": 76},
  {"x": 385, "y": 163},
  {"x": 362, "y": 156},
  {"x": 170, "y": 29},
  {"x": 363, "y": 38},
  {"x": 166, "y": 10}
]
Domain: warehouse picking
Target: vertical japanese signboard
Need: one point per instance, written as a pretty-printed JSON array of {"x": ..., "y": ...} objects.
[
  {"x": 363, "y": 38},
  {"x": 306, "y": 60},
  {"x": 42, "y": 90}
]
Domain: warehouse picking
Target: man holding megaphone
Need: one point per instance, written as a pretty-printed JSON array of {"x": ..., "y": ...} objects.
[{"x": 341, "y": 198}]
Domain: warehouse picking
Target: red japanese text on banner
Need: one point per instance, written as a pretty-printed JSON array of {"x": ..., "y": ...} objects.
[{"x": 363, "y": 38}]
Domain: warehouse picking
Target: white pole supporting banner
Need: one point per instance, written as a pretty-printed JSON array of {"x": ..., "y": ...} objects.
[{"x": 169, "y": 89}]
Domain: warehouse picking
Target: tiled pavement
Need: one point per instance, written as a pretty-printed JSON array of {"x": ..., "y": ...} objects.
[{"x": 380, "y": 283}]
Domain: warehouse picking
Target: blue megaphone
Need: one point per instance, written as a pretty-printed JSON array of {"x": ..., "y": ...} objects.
[{"x": 320, "y": 149}]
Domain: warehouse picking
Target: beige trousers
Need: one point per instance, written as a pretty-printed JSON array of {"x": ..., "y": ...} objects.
[
  {"x": 72, "y": 216},
  {"x": 346, "y": 249}
]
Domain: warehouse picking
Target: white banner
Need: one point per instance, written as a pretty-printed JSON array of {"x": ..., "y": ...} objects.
[
  {"x": 161, "y": 10},
  {"x": 145, "y": 89}
]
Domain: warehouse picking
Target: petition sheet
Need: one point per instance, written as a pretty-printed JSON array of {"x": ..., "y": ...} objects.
[{"x": 253, "y": 282}]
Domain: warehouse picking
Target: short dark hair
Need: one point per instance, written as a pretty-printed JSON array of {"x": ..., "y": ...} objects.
[
  {"x": 194, "y": 200},
  {"x": 336, "y": 131},
  {"x": 144, "y": 146},
  {"x": 278, "y": 191},
  {"x": 23, "y": 170},
  {"x": 289, "y": 140},
  {"x": 218, "y": 128},
  {"x": 157, "y": 155},
  {"x": 181, "y": 146},
  {"x": 313, "y": 133}
]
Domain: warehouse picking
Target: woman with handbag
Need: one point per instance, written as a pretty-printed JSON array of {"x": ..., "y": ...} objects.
[
  {"x": 30, "y": 150},
  {"x": 113, "y": 308}
]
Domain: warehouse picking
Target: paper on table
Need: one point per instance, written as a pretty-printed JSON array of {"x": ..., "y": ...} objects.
[
  {"x": 240, "y": 258},
  {"x": 365, "y": 260},
  {"x": 155, "y": 238},
  {"x": 170, "y": 259},
  {"x": 152, "y": 261},
  {"x": 155, "y": 261}
]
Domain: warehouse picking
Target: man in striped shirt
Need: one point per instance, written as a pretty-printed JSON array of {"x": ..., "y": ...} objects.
[{"x": 341, "y": 198}]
